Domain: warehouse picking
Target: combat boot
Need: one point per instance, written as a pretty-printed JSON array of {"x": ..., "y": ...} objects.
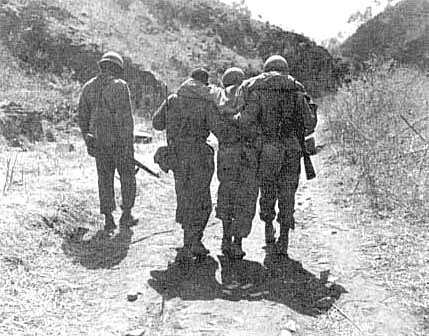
[
  {"x": 226, "y": 238},
  {"x": 269, "y": 233},
  {"x": 109, "y": 224},
  {"x": 236, "y": 251},
  {"x": 197, "y": 248},
  {"x": 127, "y": 219},
  {"x": 283, "y": 242}
]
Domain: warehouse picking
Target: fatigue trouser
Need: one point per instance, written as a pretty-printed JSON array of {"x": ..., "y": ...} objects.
[
  {"x": 193, "y": 172},
  {"x": 108, "y": 161},
  {"x": 238, "y": 187},
  {"x": 279, "y": 177}
]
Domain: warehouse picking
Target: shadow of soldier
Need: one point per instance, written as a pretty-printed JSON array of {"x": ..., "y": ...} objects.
[
  {"x": 281, "y": 280},
  {"x": 100, "y": 251},
  {"x": 191, "y": 281}
]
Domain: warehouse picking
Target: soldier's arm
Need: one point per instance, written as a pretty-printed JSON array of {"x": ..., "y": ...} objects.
[
  {"x": 159, "y": 119},
  {"x": 248, "y": 115},
  {"x": 84, "y": 112}
]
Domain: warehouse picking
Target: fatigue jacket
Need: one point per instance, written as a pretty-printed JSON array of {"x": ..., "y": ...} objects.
[
  {"x": 275, "y": 102},
  {"x": 187, "y": 116},
  {"x": 105, "y": 111}
]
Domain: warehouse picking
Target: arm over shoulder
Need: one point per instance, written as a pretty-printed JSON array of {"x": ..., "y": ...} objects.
[{"x": 159, "y": 119}]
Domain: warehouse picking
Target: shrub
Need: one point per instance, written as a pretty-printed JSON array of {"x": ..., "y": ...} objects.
[{"x": 380, "y": 123}]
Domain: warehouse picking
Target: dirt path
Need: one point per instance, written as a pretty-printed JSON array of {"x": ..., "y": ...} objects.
[{"x": 325, "y": 286}]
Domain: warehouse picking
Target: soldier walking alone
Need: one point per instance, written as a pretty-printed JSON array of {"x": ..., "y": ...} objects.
[
  {"x": 276, "y": 103},
  {"x": 187, "y": 119},
  {"x": 106, "y": 122}
]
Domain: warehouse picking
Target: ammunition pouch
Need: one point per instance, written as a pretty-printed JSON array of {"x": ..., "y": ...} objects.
[{"x": 165, "y": 157}]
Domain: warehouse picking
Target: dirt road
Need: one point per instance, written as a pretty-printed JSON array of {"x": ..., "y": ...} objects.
[{"x": 325, "y": 288}]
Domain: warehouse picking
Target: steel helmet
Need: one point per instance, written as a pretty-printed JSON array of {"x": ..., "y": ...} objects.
[
  {"x": 276, "y": 63},
  {"x": 232, "y": 76},
  {"x": 112, "y": 57}
]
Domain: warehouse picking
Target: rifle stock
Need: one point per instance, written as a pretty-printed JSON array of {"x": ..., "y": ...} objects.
[
  {"x": 93, "y": 151},
  {"x": 146, "y": 169},
  {"x": 309, "y": 169}
]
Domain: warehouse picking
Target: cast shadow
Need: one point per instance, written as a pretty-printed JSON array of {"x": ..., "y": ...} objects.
[
  {"x": 100, "y": 251},
  {"x": 189, "y": 281},
  {"x": 280, "y": 279}
]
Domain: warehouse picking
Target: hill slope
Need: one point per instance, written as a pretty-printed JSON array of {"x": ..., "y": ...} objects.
[
  {"x": 400, "y": 32},
  {"x": 159, "y": 39}
]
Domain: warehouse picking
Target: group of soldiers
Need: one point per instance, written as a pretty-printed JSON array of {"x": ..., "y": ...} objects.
[{"x": 260, "y": 124}]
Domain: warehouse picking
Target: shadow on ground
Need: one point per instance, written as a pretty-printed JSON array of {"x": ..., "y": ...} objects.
[
  {"x": 100, "y": 251},
  {"x": 280, "y": 279}
]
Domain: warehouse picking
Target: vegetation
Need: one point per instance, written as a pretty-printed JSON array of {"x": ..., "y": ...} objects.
[
  {"x": 380, "y": 125},
  {"x": 400, "y": 32}
]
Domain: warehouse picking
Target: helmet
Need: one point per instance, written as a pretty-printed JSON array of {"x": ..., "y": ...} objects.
[
  {"x": 112, "y": 57},
  {"x": 201, "y": 75},
  {"x": 276, "y": 63},
  {"x": 232, "y": 76}
]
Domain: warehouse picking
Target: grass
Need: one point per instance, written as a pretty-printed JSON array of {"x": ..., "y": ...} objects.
[
  {"x": 380, "y": 128},
  {"x": 34, "y": 91},
  {"x": 47, "y": 282}
]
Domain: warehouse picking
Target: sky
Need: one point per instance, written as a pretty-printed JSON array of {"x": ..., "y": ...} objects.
[{"x": 316, "y": 19}]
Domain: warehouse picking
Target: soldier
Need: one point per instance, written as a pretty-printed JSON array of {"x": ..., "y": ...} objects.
[
  {"x": 187, "y": 117},
  {"x": 236, "y": 169},
  {"x": 276, "y": 102},
  {"x": 107, "y": 125}
]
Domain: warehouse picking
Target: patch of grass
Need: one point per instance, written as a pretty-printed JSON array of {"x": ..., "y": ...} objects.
[{"x": 380, "y": 129}]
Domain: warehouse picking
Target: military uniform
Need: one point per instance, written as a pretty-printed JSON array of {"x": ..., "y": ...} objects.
[
  {"x": 275, "y": 101},
  {"x": 187, "y": 118},
  {"x": 105, "y": 113},
  {"x": 236, "y": 167}
]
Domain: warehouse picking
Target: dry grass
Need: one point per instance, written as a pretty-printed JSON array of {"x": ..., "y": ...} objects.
[
  {"x": 380, "y": 127},
  {"x": 50, "y": 243},
  {"x": 39, "y": 294},
  {"x": 33, "y": 91}
]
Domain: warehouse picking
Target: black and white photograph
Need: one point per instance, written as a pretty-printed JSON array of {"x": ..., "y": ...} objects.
[{"x": 214, "y": 168}]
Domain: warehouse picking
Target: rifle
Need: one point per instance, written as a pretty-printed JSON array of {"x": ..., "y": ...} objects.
[
  {"x": 300, "y": 132},
  {"x": 146, "y": 169},
  {"x": 92, "y": 151}
]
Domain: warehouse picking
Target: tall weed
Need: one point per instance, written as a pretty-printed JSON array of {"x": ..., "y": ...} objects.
[{"x": 381, "y": 124}]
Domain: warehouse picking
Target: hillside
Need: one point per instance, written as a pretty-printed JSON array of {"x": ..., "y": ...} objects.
[
  {"x": 400, "y": 32},
  {"x": 161, "y": 42}
]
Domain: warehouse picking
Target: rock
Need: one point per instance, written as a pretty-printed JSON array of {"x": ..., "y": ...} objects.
[
  {"x": 64, "y": 148},
  {"x": 285, "y": 333},
  {"x": 17, "y": 123},
  {"x": 136, "y": 332},
  {"x": 291, "y": 326},
  {"x": 49, "y": 135},
  {"x": 133, "y": 295}
]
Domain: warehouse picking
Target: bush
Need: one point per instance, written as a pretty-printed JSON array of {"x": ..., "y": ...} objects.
[{"x": 380, "y": 123}]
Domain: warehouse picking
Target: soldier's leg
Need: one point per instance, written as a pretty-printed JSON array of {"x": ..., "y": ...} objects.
[
  {"x": 125, "y": 165},
  {"x": 224, "y": 211},
  {"x": 202, "y": 170},
  {"x": 288, "y": 184},
  {"x": 271, "y": 160},
  {"x": 267, "y": 203},
  {"x": 227, "y": 172},
  {"x": 245, "y": 208},
  {"x": 106, "y": 171}
]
